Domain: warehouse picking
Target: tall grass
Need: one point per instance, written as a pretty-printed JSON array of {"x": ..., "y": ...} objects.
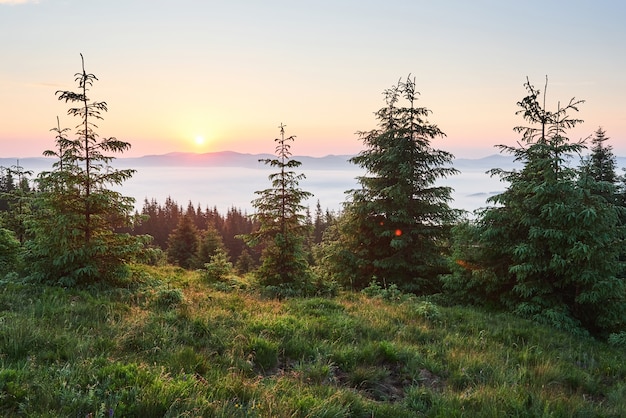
[{"x": 171, "y": 344}]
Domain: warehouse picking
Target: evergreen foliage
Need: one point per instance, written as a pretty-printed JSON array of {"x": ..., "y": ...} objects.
[
  {"x": 244, "y": 263},
  {"x": 9, "y": 252},
  {"x": 468, "y": 281},
  {"x": 77, "y": 214},
  {"x": 209, "y": 243},
  {"x": 282, "y": 227},
  {"x": 16, "y": 196},
  {"x": 160, "y": 221},
  {"x": 600, "y": 165},
  {"x": 395, "y": 226},
  {"x": 552, "y": 242},
  {"x": 218, "y": 267},
  {"x": 7, "y": 185},
  {"x": 602, "y": 162},
  {"x": 183, "y": 243}
]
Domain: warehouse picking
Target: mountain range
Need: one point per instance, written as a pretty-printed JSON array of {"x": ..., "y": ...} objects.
[{"x": 243, "y": 160}]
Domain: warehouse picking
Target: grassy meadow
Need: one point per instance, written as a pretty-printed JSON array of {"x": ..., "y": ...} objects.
[{"x": 169, "y": 343}]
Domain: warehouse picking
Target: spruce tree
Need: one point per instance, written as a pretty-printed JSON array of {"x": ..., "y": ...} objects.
[
  {"x": 601, "y": 165},
  {"x": 209, "y": 243},
  {"x": 319, "y": 224},
  {"x": 16, "y": 197},
  {"x": 74, "y": 229},
  {"x": 602, "y": 162},
  {"x": 183, "y": 242},
  {"x": 552, "y": 241},
  {"x": 282, "y": 229},
  {"x": 395, "y": 226},
  {"x": 244, "y": 263}
]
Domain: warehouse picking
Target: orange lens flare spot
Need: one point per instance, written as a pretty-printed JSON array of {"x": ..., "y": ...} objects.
[{"x": 398, "y": 232}]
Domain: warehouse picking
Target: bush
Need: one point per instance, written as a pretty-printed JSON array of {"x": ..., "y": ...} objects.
[
  {"x": 218, "y": 268},
  {"x": 618, "y": 340},
  {"x": 389, "y": 293},
  {"x": 169, "y": 298},
  {"x": 428, "y": 311}
]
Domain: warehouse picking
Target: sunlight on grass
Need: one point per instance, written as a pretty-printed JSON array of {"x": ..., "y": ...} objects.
[{"x": 171, "y": 344}]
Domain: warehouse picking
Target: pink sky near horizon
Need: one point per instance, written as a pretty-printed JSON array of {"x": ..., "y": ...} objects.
[{"x": 231, "y": 73}]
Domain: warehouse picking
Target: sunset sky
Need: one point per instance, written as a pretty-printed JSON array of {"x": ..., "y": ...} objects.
[{"x": 201, "y": 76}]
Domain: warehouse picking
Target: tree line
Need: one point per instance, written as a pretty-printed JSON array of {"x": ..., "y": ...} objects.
[
  {"x": 550, "y": 247},
  {"x": 189, "y": 237}
]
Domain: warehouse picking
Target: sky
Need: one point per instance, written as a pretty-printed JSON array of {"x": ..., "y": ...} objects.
[{"x": 217, "y": 75}]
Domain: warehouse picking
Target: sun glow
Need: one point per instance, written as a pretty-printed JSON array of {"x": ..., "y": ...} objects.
[{"x": 199, "y": 140}]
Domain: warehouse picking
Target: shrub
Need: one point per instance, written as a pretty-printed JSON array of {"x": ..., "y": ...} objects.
[
  {"x": 169, "y": 298},
  {"x": 618, "y": 339},
  {"x": 389, "y": 293},
  {"x": 218, "y": 268},
  {"x": 428, "y": 311}
]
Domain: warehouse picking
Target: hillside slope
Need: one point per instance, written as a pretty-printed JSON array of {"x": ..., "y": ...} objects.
[{"x": 170, "y": 344}]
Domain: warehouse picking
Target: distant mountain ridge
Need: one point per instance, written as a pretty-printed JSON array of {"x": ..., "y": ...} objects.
[
  {"x": 232, "y": 159},
  {"x": 243, "y": 160},
  {"x": 187, "y": 159}
]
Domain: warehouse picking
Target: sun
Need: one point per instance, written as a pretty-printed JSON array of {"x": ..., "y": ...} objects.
[{"x": 199, "y": 140}]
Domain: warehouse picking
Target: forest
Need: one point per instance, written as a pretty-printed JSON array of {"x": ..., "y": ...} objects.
[{"x": 549, "y": 249}]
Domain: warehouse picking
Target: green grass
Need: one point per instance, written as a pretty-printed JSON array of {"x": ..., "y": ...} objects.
[{"x": 172, "y": 344}]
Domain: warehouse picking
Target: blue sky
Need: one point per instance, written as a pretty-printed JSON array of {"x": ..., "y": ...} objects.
[{"x": 230, "y": 72}]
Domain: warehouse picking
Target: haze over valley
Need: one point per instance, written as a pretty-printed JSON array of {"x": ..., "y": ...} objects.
[{"x": 230, "y": 179}]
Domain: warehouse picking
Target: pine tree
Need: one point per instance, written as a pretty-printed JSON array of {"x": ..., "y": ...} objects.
[
  {"x": 74, "y": 228},
  {"x": 553, "y": 242},
  {"x": 394, "y": 227},
  {"x": 282, "y": 228}
]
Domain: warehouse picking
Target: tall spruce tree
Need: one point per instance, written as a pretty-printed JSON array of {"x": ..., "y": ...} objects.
[
  {"x": 281, "y": 219},
  {"x": 552, "y": 242},
  {"x": 74, "y": 229},
  {"x": 394, "y": 227}
]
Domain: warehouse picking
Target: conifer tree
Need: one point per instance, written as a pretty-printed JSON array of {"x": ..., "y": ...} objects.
[
  {"x": 554, "y": 243},
  {"x": 74, "y": 230},
  {"x": 244, "y": 263},
  {"x": 394, "y": 227},
  {"x": 281, "y": 219},
  {"x": 7, "y": 185},
  {"x": 16, "y": 199},
  {"x": 319, "y": 224},
  {"x": 602, "y": 162},
  {"x": 209, "y": 243},
  {"x": 182, "y": 244},
  {"x": 601, "y": 165}
]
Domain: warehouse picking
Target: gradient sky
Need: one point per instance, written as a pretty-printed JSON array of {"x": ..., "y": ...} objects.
[{"x": 232, "y": 71}]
